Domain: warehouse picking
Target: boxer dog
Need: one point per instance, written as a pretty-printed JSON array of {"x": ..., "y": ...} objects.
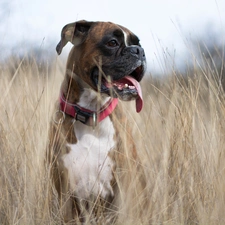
[{"x": 86, "y": 150}]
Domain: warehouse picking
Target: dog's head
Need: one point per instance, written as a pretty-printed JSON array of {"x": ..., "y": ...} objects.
[{"x": 107, "y": 56}]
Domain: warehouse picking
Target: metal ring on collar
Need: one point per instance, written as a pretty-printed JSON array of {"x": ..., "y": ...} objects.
[
  {"x": 60, "y": 121},
  {"x": 94, "y": 120}
]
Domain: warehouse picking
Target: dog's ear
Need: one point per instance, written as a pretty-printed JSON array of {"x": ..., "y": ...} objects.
[{"x": 74, "y": 33}]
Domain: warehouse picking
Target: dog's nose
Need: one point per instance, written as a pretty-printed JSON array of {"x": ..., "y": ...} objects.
[{"x": 135, "y": 50}]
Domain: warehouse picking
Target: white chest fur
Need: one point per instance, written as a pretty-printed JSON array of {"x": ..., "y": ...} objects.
[{"x": 89, "y": 166}]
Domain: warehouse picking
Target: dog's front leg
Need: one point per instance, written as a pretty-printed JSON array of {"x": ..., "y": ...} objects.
[{"x": 62, "y": 186}]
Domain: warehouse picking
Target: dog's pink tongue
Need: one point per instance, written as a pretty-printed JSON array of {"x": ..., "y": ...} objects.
[{"x": 135, "y": 83}]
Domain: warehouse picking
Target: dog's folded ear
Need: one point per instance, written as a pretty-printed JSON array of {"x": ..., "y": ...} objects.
[{"x": 74, "y": 33}]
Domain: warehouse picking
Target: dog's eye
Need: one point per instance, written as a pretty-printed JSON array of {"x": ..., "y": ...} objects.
[{"x": 112, "y": 43}]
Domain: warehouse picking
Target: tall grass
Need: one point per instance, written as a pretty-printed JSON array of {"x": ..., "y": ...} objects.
[{"x": 180, "y": 138}]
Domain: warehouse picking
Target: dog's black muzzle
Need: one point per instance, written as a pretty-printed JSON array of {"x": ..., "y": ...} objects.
[{"x": 136, "y": 51}]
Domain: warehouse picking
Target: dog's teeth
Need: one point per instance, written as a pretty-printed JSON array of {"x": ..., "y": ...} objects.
[
  {"x": 126, "y": 85},
  {"x": 131, "y": 87}
]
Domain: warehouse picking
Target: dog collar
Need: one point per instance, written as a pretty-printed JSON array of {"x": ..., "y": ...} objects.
[{"x": 85, "y": 116}]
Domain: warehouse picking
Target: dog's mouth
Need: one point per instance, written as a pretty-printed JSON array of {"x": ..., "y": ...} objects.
[{"x": 126, "y": 88}]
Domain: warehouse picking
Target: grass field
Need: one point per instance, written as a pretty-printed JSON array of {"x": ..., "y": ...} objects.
[{"x": 180, "y": 137}]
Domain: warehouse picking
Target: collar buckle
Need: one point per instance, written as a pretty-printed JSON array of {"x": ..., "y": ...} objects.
[{"x": 80, "y": 115}]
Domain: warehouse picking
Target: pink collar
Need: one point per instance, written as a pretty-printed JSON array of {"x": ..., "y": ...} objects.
[{"x": 88, "y": 117}]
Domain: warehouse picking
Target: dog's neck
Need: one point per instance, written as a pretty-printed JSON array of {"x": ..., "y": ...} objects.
[
  {"x": 91, "y": 100},
  {"x": 76, "y": 91}
]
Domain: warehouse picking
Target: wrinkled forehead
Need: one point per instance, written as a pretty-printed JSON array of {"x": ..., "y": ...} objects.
[{"x": 108, "y": 29}]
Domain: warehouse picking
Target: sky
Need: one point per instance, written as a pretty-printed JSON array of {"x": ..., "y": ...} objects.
[{"x": 163, "y": 26}]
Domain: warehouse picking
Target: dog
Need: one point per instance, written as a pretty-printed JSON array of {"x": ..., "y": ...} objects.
[{"x": 86, "y": 150}]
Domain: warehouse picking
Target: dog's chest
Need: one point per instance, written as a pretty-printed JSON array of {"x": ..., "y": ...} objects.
[{"x": 88, "y": 163}]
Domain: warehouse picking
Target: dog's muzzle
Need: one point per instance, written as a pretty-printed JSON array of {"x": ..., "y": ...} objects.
[{"x": 124, "y": 85}]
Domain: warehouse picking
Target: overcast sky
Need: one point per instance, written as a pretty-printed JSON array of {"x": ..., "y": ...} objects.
[{"x": 160, "y": 24}]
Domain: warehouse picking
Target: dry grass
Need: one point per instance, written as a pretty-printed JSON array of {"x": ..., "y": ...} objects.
[{"x": 180, "y": 137}]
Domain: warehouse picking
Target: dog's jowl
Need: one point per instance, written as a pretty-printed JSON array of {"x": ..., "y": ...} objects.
[{"x": 86, "y": 149}]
